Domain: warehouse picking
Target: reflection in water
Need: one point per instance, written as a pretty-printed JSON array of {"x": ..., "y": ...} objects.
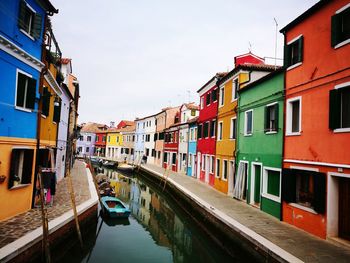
[{"x": 156, "y": 230}]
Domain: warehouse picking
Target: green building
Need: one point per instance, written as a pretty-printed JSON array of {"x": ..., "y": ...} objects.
[{"x": 260, "y": 143}]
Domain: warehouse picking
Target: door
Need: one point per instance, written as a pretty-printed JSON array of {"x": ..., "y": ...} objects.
[
  {"x": 194, "y": 165},
  {"x": 255, "y": 186},
  {"x": 231, "y": 177},
  {"x": 198, "y": 165},
  {"x": 207, "y": 162},
  {"x": 344, "y": 208}
]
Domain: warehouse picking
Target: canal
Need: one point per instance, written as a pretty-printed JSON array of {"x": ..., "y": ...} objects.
[{"x": 158, "y": 230}]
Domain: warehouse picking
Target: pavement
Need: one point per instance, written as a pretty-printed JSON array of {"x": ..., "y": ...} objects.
[
  {"x": 298, "y": 243},
  {"x": 22, "y": 224}
]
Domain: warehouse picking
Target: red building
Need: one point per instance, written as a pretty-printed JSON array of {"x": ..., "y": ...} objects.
[
  {"x": 206, "y": 140},
  {"x": 171, "y": 146},
  {"x": 100, "y": 143},
  {"x": 316, "y": 174},
  {"x": 124, "y": 123}
]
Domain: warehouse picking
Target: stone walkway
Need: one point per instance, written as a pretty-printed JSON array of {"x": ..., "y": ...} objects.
[
  {"x": 16, "y": 227},
  {"x": 297, "y": 242}
]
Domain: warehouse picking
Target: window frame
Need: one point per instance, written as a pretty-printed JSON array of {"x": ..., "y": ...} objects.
[
  {"x": 221, "y": 96},
  {"x": 234, "y": 92},
  {"x": 287, "y": 55},
  {"x": 289, "y": 116},
  {"x": 268, "y": 130},
  {"x": 264, "y": 192},
  {"x": 220, "y": 130},
  {"x": 16, "y": 93},
  {"x": 246, "y": 123},
  {"x": 224, "y": 172},
  {"x": 335, "y": 43},
  {"x": 212, "y": 128},
  {"x": 217, "y": 168},
  {"x": 345, "y": 85},
  {"x": 235, "y": 130}
]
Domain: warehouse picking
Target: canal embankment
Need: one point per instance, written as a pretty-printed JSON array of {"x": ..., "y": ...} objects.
[
  {"x": 227, "y": 220},
  {"x": 21, "y": 236}
]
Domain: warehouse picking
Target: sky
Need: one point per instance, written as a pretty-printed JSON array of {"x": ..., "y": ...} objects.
[{"x": 135, "y": 57}]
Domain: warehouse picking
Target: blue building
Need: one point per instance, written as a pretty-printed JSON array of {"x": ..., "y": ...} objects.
[
  {"x": 140, "y": 137},
  {"x": 192, "y": 148},
  {"x": 21, "y": 40}
]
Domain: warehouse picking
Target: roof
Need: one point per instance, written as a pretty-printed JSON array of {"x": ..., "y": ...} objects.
[
  {"x": 257, "y": 67},
  {"x": 66, "y": 60},
  {"x": 218, "y": 75},
  {"x": 191, "y": 106},
  {"x": 305, "y": 15},
  {"x": 112, "y": 129},
  {"x": 128, "y": 123},
  {"x": 193, "y": 120},
  {"x": 258, "y": 81},
  {"x": 48, "y": 6},
  {"x": 93, "y": 127},
  {"x": 128, "y": 129}
]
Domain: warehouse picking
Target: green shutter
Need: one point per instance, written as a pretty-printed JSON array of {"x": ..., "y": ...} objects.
[
  {"x": 334, "y": 109},
  {"x": 319, "y": 201},
  {"x": 300, "y": 48},
  {"x": 286, "y": 55},
  {"x": 45, "y": 102},
  {"x": 335, "y": 29},
  {"x": 37, "y": 26},
  {"x": 21, "y": 83},
  {"x": 276, "y": 116},
  {"x": 31, "y": 94},
  {"x": 21, "y": 15},
  {"x": 288, "y": 186}
]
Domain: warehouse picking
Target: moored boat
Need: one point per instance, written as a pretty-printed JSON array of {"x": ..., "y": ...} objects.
[
  {"x": 126, "y": 168},
  {"x": 110, "y": 164},
  {"x": 114, "y": 207}
]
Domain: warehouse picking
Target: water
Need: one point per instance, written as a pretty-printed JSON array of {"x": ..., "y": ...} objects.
[{"x": 156, "y": 231}]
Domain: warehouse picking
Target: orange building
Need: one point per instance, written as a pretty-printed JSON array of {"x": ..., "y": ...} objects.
[{"x": 316, "y": 174}]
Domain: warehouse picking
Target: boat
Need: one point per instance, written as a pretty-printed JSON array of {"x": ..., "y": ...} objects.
[
  {"x": 114, "y": 207},
  {"x": 125, "y": 168},
  {"x": 110, "y": 164},
  {"x": 95, "y": 160}
]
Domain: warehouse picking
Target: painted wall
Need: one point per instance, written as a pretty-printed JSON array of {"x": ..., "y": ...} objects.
[
  {"x": 183, "y": 147},
  {"x": 172, "y": 147},
  {"x": 150, "y": 129},
  {"x": 192, "y": 148},
  {"x": 83, "y": 143},
  {"x": 139, "y": 146},
  {"x": 261, "y": 147}
]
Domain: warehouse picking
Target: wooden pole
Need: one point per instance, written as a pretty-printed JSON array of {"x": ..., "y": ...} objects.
[
  {"x": 74, "y": 207},
  {"x": 94, "y": 179},
  {"x": 44, "y": 218}
]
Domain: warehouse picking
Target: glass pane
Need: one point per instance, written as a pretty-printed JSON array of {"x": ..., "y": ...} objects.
[
  {"x": 21, "y": 86},
  {"x": 273, "y": 183},
  {"x": 295, "y": 116},
  {"x": 345, "y": 108},
  {"x": 249, "y": 122}
]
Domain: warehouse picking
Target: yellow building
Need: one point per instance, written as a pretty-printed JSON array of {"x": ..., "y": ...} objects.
[
  {"x": 248, "y": 68},
  {"x": 114, "y": 144}
]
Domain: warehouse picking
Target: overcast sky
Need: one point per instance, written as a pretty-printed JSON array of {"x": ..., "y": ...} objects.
[{"x": 134, "y": 57}]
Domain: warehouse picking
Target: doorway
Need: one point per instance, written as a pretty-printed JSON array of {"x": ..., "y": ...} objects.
[
  {"x": 199, "y": 165},
  {"x": 231, "y": 175},
  {"x": 255, "y": 184},
  {"x": 207, "y": 164},
  {"x": 344, "y": 208}
]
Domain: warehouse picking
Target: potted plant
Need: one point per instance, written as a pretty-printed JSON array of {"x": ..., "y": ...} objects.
[{"x": 16, "y": 180}]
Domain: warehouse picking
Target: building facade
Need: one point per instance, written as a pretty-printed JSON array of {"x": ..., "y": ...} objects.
[
  {"x": 192, "y": 148},
  {"x": 150, "y": 130},
  {"x": 316, "y": 166},
  {"x": 114, "y": 144}
]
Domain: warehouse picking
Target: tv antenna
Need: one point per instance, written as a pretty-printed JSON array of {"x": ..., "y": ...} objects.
[{"x": 276, "y": 42}]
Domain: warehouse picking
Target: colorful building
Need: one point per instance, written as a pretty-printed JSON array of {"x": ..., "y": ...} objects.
[
  {"x": 100, "y": 140},
  {"x": 163, "y": 120},
  {"x": 248, "y": 68},
  {"x": 128, "y": 142},
  {"x": 139, "y": 145},
  {"x": 87, "y": 139},
  {"x": 21, "y": 43},
  {"x": 206, "y": 143},
  {"x": 316, "y": 165},
  {"x": 259, "y": 144},
  {"x": 150, "y": 130},
  {"x": 171, "y": 146},
  {"x": 114, "y": 143},
  {"x": 192, "y": 148}
]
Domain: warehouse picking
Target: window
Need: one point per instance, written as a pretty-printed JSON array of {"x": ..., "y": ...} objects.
[
  {"x": 155, "y": 137},
  {"x": 143, "y": 124},
  {"x": 57, "y": 110},
  {"x": 117, "y": 138},
  {"x": 208, "y": 99},
  {"x": 80, "y": 149},
  {"x": 222, "y": 96},
  {"x": 235, "y": 88},
  {"x": 158, "y": 154},
  {"x": 21, "y": 167},
  {"x": 174, "y": 159},
  {"x": 202, "y": 102},
  {"x": 191, "y": 134},
  {"x": 217, "y": 168},
  {"x": 97, "y": 138},
  {"x": 220, "y": 131},
  {"x": 161, "y": 136},
  {"x": 29, "y": 21},
  {"x": 214, "y": 95},
  {"x": 212, "y": 164},
  {"x": 272, "y": 183},
  {"x": 294, "y": 116},
  {"x": 271, "y": 118},
  {"x": 87, "y": 149},
  {"x": 233, "y": 129},
  {"x": 248, "y": 122},
  {"x": 224, "y": 170},
  {"x": 193, "y": 112},
  {"x": 212, "y": 128},
  {"x": 206, "y": 130},
  {"x": 339, "y": 107},
  {"x": 190, "y": 159},
  {"x": 45, "y": 98},
  {"x": 341, "y": 27},
  {"x": 203, "y": 162},
  {"x": 88, "y": 138},
  {"x": 104, "y": 138},
  {"x": 147, "y": 152},
  {"x": 195, "y": 134},
  {"x": 199, "y": 131},
  {"x": 109, "y": 138},
  {"x": 293, "y": 53},
  {"x": 305, "y": 188}
]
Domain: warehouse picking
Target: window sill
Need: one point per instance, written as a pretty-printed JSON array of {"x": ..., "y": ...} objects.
[
  {"x": 223, "y": 179},
  {"x": 23, "y": 109},
  {"x": 232, "y": 139},
  {"x": 220, "y": 106},
  {"x": 340, "y": 130},
  {"x": 234, "y": 100},
  {"x": 270, "y": 132},
  {"x": 307, "y": 209},
  {"x": 247, "y": 135},
  {"x": 19, "y": 186},
  {"x": 27, "y": 34},
  {"x": 345, "y": 42},
  {"x": 293, "y": 133},
  {"x": 271, "y": 197},
  {"x": 294, "y": 66}
]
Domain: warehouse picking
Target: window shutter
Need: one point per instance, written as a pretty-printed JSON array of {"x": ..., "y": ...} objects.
[
  {"x": 334, "y": 109},
  {"x": 286, "y": 55},
  {"x": 300, "y": 48},
  {"x": 45, "y": 102},
  {"x": 319, "y": 202},
  {"x": 13, "y": 165},
  {"x": 335, "y": 28},
  {"x": 266, "y": 123},
  {"x": 37, "y": 26},
  {"x": 288, "y": 185},
  {"x": 31, "y": 93},
  {"x": 276, "y": 116},
  {"x": 21, "y": 15},
  {"x": 57, "y": 113},
  {"x": 21, "y": 83},
  {"x": 27, "y": 166}
]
